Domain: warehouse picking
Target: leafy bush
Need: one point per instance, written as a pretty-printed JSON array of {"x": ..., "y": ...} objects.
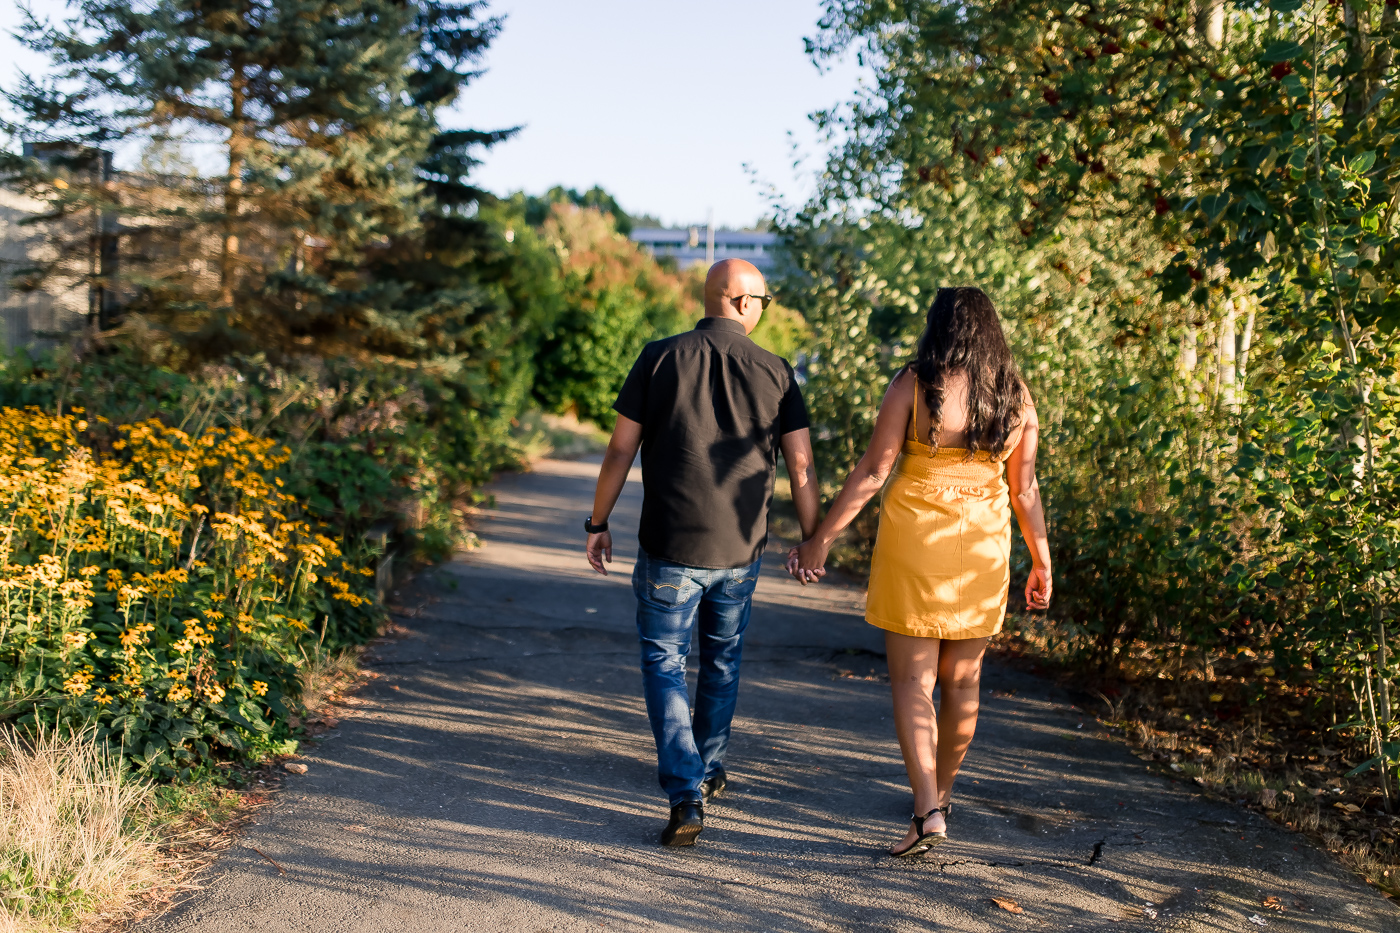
[
  {"x": 1203, "y": 292},
  {"x": 158, "y": 582},
  {"x": 616, "y": 298}
]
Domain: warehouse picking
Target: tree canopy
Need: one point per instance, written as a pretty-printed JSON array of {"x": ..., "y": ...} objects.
[{"x": 1186, "y": 214}]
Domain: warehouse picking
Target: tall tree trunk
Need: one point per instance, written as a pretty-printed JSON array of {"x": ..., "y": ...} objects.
[
  {"x": 1225, "y": 358},
  {"x": 1210, "y": 22},
  {"x": 1385, "y": 55},
  {"x": 1246, "y": 341},
  {"x": 233, "y": 189},
  {"x": 1357, "y": 19}
]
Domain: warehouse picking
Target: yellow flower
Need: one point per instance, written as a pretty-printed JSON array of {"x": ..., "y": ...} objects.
[
  {"x": 178, "y": 693},
  {"x": 133, "y": 635},
  {"x": 101, "y": 697},
  {"x": 259, "y": 688},
  {"x": 78, "y": 682}
]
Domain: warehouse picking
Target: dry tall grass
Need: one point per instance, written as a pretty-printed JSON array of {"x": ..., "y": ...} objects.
[
  {"x": 325, "y": 675},
  {"x": 71, "y": 836}
]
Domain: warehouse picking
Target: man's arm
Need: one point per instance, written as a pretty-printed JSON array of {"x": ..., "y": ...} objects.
[
  {"x": 797, "y": 454},
  {"x": 622, "y": 450}
]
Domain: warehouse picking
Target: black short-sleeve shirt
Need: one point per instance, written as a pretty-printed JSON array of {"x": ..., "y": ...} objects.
[{"x": 713, "y": 406}]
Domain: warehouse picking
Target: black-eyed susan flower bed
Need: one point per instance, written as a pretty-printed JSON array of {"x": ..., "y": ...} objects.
[{"x": 159, "y": 583}]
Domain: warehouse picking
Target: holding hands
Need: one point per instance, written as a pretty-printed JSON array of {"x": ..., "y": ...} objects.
[
  {"x": 807, "y": 561},
  {"x": 807, "y": 564},
  {"x": 1038, "y": 588}
]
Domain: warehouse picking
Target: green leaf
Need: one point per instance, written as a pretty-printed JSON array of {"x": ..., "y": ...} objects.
[
  {"x": 1281, "y": 51},
  {"x": 1390, "y": 755},
  {"x": 1362, "y": 163},
  {"x": 1214, "y": 204}
]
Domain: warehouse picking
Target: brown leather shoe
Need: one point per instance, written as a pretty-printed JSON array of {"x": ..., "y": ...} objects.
[{"x": 687, "y": 820}]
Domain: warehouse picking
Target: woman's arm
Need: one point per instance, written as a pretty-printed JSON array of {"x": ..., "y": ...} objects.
[
  {"x": 865, "y": 480},
  {"x": 1025, "y": 500}
]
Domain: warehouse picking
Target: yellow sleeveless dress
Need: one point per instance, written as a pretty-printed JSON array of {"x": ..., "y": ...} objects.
[{"x": 942, "y": 562}]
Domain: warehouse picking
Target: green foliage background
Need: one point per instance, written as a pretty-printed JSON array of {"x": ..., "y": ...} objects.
[
  {"x": 342, "y": 295},
  {"x": 1190, "y": 236}
]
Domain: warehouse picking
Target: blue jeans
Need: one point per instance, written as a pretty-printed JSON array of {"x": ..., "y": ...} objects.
[{"x": 670, "y": 598}]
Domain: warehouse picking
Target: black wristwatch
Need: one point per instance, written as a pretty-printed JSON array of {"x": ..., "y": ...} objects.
[{"x": 593, "y": 529}]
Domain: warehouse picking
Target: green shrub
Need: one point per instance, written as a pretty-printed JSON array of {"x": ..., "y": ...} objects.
[
  {"x": 615, "y": 299},
  {"x": 158, "y": 582}
]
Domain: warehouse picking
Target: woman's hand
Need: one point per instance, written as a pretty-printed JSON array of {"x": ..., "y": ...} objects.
[
  {"x": 807, "y": 561},
  {"x": 1038, "y": 588}
]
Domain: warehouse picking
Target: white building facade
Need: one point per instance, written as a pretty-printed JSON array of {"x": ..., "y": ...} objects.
[{"x": 689, "y": 247}]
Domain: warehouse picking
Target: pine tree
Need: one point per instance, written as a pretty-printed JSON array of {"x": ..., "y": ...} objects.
[{"x": 324, "y": 113}]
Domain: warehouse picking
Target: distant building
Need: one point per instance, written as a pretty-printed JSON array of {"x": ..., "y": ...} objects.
[
  {"x": 687, "y": 246},
  {"x": 71, "y": 295},
  {"x": 60, "y": 276}
]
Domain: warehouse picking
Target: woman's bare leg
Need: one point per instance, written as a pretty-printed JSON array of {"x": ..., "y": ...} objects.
[
  {"x": 959, "y": 685},
  {"x": 913, "y": 665}
]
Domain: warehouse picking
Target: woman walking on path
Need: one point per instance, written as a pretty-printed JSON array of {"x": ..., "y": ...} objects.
[{"x": 958, "y": 430}]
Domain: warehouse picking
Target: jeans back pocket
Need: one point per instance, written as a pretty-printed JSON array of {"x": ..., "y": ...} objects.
[
  {"x": 668, "y": 584},
  {"x": 741, "y": 582}
]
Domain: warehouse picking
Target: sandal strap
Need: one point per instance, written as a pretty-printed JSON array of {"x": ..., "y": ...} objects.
[{"x": 918, "y": 821}]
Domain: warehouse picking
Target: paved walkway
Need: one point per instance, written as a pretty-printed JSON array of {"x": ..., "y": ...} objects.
[{"x": 500, "y": 777}]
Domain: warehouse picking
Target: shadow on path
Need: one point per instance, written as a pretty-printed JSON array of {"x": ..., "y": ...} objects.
[{"x": 500, "y": 776}]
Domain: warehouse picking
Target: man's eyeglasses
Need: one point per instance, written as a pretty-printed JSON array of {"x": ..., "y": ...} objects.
[{"x": 764, "y": 300}]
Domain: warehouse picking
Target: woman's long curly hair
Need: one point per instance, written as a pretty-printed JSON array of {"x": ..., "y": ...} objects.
[{"x": 963, "y": 334}]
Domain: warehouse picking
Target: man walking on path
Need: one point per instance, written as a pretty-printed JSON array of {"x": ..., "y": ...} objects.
[{"x": 709, "y": 410}]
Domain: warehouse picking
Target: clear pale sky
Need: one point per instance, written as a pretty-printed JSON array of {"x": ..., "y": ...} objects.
[{"x": 663, "y": 103}]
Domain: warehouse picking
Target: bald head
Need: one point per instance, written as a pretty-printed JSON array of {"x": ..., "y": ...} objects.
[{"x": 729, "y": 279}]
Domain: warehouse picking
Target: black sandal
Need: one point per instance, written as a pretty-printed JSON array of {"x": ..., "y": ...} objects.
[{"x": 927, "y": 840}]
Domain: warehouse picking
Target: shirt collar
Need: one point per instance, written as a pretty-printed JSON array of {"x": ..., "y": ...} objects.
[{"x": 727, "y": 324}]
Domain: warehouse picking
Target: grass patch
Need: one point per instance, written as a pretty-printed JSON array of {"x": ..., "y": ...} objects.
[
  {"x": 328, "y": 679},
  {"x": 326, "y": 676},
  {"x": 74, "y": 830},
  {"x": 562, "y": 437},
  {"x": 84, "y": 841}
]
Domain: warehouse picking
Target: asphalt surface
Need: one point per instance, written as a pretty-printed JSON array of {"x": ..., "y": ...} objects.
[{"x": 500, "y": 776}]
